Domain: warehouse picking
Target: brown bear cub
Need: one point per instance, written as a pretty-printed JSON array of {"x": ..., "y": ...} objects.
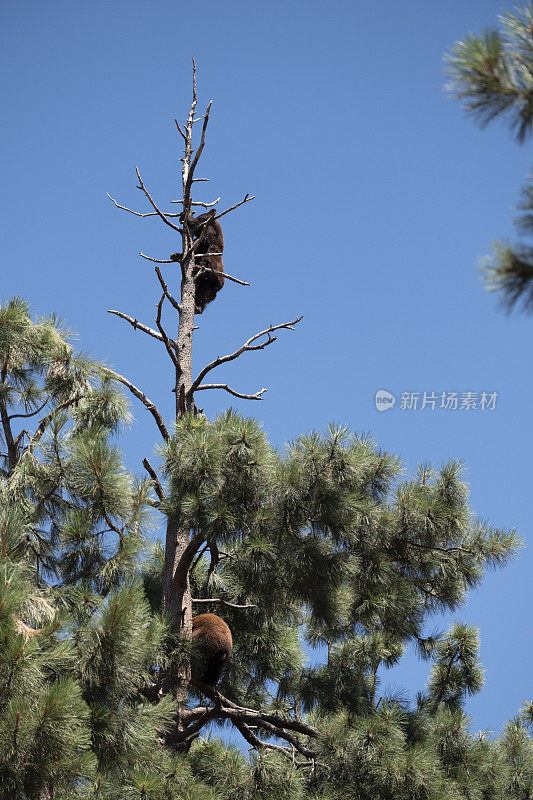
[
  {"x": 215, "y": 644},
  {"x": 209, "y": 230}
]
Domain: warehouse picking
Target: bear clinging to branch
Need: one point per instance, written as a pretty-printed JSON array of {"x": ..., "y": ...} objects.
[
  {"x": 213, "y": 637},
  {"x": 209, "y": 231}
]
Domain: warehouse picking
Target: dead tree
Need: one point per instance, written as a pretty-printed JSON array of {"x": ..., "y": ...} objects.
[{"x": 182, "y": 544}]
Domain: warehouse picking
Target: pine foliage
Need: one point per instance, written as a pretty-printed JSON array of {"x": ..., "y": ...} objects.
[
  {"x": 322, "y": 545},
  {"x": 492, "y": 76}
]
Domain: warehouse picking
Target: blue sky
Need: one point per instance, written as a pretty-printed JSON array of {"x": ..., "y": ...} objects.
[{"x": 375, "y": 198}]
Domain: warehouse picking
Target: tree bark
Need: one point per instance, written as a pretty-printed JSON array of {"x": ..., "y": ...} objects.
[{"x": 178, "y": 606}]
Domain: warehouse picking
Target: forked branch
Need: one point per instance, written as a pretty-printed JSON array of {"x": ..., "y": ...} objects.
[
  {"x": 248, "y": 346},
  {"x": 43, "y": 424},
  {"x": 255, "y": 396},
  {"x": 244, "y": 718},
  {"x": 200, "y": 147},
  {"x": 247, "y": 199},
  {"x": 158, "y": 211},
  {"x": 139, "y": 213}
]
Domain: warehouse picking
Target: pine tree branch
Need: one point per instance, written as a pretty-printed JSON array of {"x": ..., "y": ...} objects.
[
  {"x": 421, "y": 546},
  {"x": 281, "y": 733},
  {"x": 31, "y": 414},
  {"x": 49, "y": 417},
  {"x": 242, "y": 718},
  {"x": 259, "y": 744},
  {"x": 152, "y": 408},
  {"x": 272, "y": 719},
  {"x": 248, "y": 346}
]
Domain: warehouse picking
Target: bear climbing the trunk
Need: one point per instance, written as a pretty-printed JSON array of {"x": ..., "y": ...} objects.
[{"x": 208, "y": 257}]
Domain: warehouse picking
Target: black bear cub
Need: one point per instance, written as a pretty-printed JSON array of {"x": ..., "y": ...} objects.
[
  {"x": 215, "y": 644},
  {"x": 212, "y": 241}
]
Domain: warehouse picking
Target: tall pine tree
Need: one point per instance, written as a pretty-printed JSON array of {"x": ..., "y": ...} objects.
[{"x": 323, "y": 543}]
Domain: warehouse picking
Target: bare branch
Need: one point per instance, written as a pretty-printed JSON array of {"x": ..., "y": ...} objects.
[
  {"x": 169, "y": 297},
  {"x": 229, "y": 277},
  {"x": 198, "y": 202},
  {"x": 170, "y": 345},
  {"x": 179, "y": 129},
  {"x": 219, "y": 600},
  {"x": 193, "y": 87},
  {"x": 256, "y": 396},
  {"x": 205, "y": 205},
  {"x": 136, "y": 325},
  {"x": 247, "y": 199},
  {"x": 158, "y": 260},
  {"x": 246, "y": 347},
  {"x": 186, "y": 172},
  {"x": 156, "y": 209},
  {"x": 153, "y": 474},
  {"x": 200, "y": 147},
  {"x": 152, "y": 408},
  {"x": 138, "y": 213}
]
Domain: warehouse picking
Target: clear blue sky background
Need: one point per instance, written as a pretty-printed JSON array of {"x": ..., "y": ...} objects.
[{"x": 375, "y": 197}]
